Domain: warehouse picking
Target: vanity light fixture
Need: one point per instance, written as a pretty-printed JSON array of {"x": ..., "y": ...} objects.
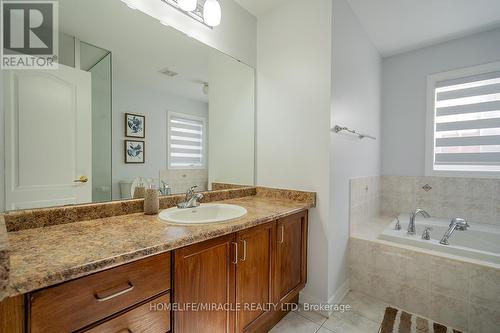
[
  {"x": 187, "y": 5},
  {"x": 212, "y": 13},
  {"x": 208, "y": 12}
]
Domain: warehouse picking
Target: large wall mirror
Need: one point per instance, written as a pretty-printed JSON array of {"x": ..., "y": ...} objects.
[{"x": 133, "y": 103}]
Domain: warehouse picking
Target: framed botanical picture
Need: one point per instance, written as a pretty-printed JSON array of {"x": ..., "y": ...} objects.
[
  {"x": 134, "y": 151},
  {"x": 135, "y": 125}
]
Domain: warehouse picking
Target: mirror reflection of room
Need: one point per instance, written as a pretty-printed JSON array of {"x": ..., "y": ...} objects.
[{"x": 123, "y": 113}]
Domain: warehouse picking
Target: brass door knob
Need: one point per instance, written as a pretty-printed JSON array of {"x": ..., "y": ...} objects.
[{"x": 82, "y": 179}]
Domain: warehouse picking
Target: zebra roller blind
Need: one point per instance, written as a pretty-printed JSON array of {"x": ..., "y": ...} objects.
[
  {"x": 467, "y": 123},
  {"x": 186, "y": 142}
]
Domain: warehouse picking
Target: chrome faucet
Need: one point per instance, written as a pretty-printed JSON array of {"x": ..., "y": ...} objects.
[
  {"x": 192, "y": 199},
  {"x": 455, "y": 224},
  {"x": 411, "y": 225}
]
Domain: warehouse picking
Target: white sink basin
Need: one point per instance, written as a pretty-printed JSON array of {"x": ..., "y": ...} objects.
[{"x": 205, "y": 213}]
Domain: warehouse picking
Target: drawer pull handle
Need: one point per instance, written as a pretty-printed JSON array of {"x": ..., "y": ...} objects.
[
  {"x": 235, "y": 253},
  {"x": 121, "y": 292},
  {"x": 244, "y": 250}
]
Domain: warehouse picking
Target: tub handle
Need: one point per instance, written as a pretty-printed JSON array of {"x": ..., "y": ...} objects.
[
  {"x": 426, "y": 235},
  {"x": 398, "y": 224}
]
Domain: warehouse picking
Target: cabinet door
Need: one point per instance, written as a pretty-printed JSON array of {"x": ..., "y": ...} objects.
[
  {"x": 254, "y": 276},
  {"x": 204, "y": 274},
  {"x": 291, "y": 256}
]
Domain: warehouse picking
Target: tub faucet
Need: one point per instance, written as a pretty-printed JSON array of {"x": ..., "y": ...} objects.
[
  {"x": 411, "y": 225},
  {"x": 192, "y": 199},
  {"x": 455, "y": 224}
]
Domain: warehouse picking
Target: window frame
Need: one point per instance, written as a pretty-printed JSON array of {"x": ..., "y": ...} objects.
[
  {"x": 189, "y": 116},
  {"x": 432, "y": 80}
]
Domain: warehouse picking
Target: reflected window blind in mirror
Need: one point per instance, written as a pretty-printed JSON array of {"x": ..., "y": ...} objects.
[
  {"x": 186, "y": 146},
  {"x": 467, "y": 123}
]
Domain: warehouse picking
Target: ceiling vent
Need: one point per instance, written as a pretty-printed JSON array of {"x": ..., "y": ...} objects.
[{"x": 168, "y": 72}]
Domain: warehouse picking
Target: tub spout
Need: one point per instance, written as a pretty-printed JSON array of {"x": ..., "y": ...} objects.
[{"x": 411, "y": 225}]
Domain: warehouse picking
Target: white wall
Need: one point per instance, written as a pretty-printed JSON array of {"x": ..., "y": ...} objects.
[
  {"x": 2, "y": 147},
  {"x": 236, "y": 35},
  {"x": 231, "y": 156},
  {"x": 404, "y": 96},
  {"x": 154, "y": 105},
  {"x": 293, "y": 116},
  {"x": 356, "y": 77}
]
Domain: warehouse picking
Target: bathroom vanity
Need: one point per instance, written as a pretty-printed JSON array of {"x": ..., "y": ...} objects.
[{"x": 136, "y": 273}]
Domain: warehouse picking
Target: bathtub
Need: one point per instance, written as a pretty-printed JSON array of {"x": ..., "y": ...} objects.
[{"x": 479, "y": 242}]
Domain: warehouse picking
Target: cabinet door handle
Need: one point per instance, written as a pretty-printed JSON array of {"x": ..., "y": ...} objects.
[
  {"x": 282, "y": 234},
  {"x": 244, "y": 250},
  {"x": 235, "y": 253},
  {"x": 121, "y": 292}
]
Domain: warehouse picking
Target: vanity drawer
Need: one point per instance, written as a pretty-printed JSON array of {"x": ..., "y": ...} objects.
[
  {"x": 140, "y": 319},
  {"x": 75, "y": 304}
]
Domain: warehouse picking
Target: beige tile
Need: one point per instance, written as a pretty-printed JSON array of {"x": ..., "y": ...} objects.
[
  {"x": 388, "y": 261},
  {"x": 415, "y": 300},
  {"x": 367, "y": 306},
  {"x": 361, "y": 254},
  {"x": 350, "y": 322},
  {"x": 483, "y": 320},
  {"x": 324, "y": 330},
  {"x": 485, "y": 286},
  {"x": 362, "y": 281},
  {"x": 415, "y": 269},
  {"x": 313, "y": 316},
  {"x": 449, "y": 277},
  {"x": 448, "y": 311},
  {"x": 293, "y": 323},
  {"x": 386, "y": 289}
]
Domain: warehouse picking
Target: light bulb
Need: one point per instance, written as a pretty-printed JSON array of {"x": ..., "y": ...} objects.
[
  {"x": 212, "y": 13},
  {"x": 187, "y": 5}
]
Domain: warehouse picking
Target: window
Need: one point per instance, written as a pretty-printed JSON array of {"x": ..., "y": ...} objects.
[
  {"x": 464, "y": 122},
  {"x": 186, "y": 141}
]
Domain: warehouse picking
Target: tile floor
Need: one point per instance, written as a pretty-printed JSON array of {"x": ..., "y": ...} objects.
[{"x": 365, "y": 317}]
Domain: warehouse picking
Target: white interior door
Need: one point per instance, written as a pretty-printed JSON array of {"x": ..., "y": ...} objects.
[{"x": 48, "y": 137}]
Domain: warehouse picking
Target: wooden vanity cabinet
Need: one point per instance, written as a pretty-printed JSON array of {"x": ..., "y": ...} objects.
[
  {"x": 291, "y": 256},
  {"x": 254, "y": 276},
  {"x": 245, "y": 271},
  {"x": 204, "y": 275},
  {"x": 77, "y": 304}
]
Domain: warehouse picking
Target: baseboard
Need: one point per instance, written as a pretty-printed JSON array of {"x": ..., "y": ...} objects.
[
  {"x": 340, "y": 293},
  {"x": 336, "y": 298}
]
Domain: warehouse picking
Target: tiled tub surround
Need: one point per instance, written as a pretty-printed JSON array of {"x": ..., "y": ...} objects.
[
  {"x": 462, "y": 294},
  {"x": 365, "y": 199},
  {"x": 180, "y": 180},
  {"x": 473, "y": 198},
  {"x": 41, "y": 257}
]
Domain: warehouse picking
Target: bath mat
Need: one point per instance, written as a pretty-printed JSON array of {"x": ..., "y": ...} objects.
[{"x": 399, "y": 321}]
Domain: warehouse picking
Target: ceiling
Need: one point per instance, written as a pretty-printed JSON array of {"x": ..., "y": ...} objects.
[
  {"x": 258, "y": 7},
  {"x": 140, "y": 46},
  {"x": 397, "y": 26}
]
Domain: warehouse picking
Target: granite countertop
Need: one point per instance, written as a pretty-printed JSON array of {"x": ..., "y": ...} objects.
[
  {"x": 41, "y": 257},
  {"x": 4, "y": 260}
]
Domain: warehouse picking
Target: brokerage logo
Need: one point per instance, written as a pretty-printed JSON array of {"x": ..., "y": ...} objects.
[{"x": 29, "y": 39}]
